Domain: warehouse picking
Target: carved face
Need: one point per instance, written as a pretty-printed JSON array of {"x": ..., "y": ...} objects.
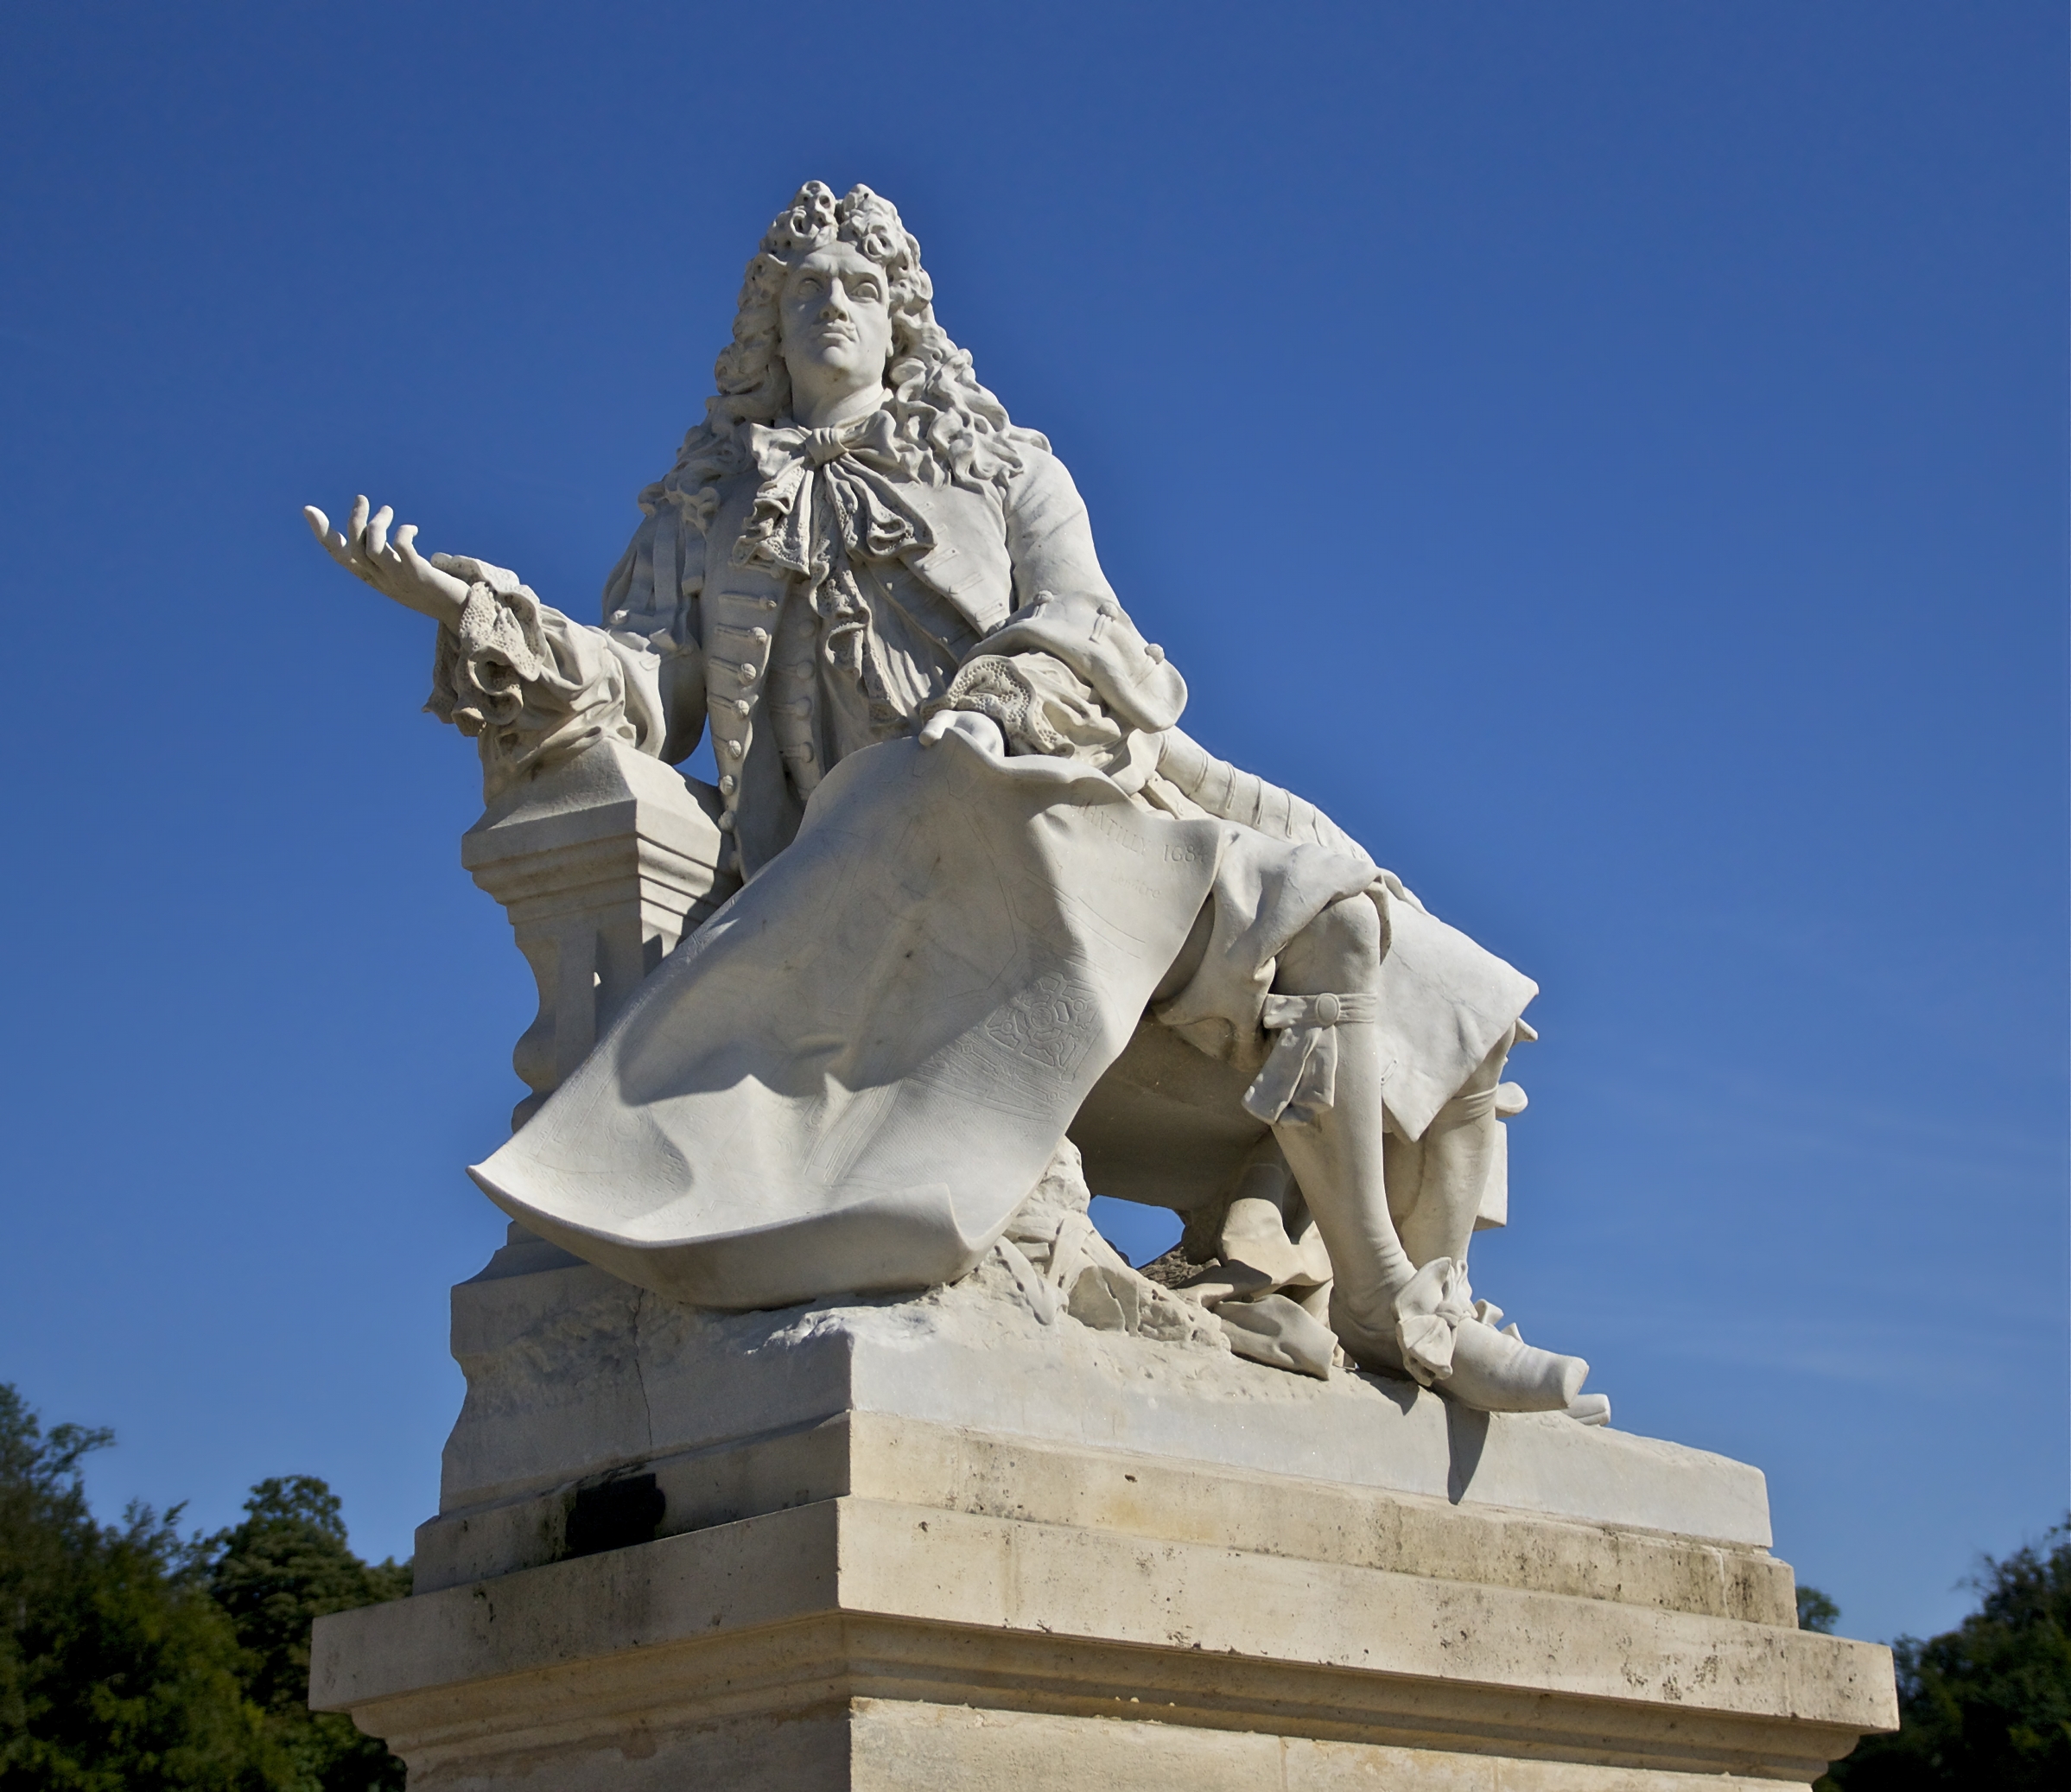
[{"x": 835, "y": 310}]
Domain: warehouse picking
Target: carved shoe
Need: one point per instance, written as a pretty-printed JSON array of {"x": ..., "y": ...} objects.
[{"x": 1494, "y": 1372}]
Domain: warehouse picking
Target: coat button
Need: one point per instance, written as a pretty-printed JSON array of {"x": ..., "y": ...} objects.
[
  {"x": 742, "y": 705},
  {"x": 725, "y": 820},
  {"x": 728, "y": 784}
]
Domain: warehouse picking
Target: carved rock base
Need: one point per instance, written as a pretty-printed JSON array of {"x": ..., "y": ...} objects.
[{"x": 938, "y": 1543}]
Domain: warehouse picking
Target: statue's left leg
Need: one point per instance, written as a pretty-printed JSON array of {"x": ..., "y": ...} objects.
[{"x": 1435, "y": 1184}]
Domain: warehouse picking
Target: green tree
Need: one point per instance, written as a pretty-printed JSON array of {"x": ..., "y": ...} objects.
[
  {"x": 1816, "y": 1611},
  {"x": 117, "y": 1670},
  {"x": 1989, "y": 1703},
  {"x": 132, "y": 1661},
  {"x": 287, "y": 1565}
]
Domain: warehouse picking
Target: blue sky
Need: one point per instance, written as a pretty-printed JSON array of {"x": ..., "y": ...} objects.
[{"x": 1611, "y": 456}]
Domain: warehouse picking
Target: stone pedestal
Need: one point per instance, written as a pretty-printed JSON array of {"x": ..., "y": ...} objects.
[{"x": 937, "y": 1542}]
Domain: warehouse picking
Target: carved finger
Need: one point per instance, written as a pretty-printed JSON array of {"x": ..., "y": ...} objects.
[
  {"x": 405, "y": 541},
  {"x": 376, "y": 539},
  {"x": 333, "y": 543}
]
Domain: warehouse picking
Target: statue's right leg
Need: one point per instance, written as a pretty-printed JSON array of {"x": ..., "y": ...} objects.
[{"x": 1339, "y": 1159}]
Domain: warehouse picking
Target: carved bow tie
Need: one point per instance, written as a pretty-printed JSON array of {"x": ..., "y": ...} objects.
[{"x": 828, "y": 489}]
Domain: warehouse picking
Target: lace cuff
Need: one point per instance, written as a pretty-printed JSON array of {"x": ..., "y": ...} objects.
[
  {"x": 535, "y": 688},
  {"x": 1040, "y": 704}
]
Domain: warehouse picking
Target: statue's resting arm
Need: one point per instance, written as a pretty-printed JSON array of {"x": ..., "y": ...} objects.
[
  {"x": 1066, "y": 671},
  {"x": 532, "y": 687}
]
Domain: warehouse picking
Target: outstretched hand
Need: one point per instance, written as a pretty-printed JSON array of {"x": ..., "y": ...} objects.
[{"x": 393, "y": 565}]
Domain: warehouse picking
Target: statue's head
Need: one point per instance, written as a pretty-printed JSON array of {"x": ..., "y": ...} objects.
[
  {"x": 852, "y": 253},
  {"x": 839, "y": 283}
]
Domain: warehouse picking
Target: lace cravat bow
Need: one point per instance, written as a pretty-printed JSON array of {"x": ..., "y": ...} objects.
[{"x": 828, "y": 489}]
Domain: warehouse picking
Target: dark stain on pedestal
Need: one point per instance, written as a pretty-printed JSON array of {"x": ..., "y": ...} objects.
[{"x": 614, "y": 1515}]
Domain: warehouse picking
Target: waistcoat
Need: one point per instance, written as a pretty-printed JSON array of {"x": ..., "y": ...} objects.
[{"x": 689, "y": 583}]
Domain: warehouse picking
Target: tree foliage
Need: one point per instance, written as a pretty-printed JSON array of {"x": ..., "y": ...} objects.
[
  {"x": 133, "y": 1658},
  {"x": 1988, "y": 1703},
  {"x": 287, "y": 1565},
  {"x": 1816, "y": 1611}
]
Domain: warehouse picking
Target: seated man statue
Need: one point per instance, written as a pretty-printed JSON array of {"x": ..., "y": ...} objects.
[{"x": 988, "y": 891}]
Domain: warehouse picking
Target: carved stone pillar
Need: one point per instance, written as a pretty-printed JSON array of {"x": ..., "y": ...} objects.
[{"x": 602, "y": 864}]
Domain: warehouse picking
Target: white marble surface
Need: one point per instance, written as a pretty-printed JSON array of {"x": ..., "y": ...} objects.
[{"x": 984, "y": 870}]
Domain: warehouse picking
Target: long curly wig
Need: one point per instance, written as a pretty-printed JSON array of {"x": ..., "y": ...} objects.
[{"x": 947, "y": 424}]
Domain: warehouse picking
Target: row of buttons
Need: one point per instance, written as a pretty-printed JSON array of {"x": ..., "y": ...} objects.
[{"x": 746, "y": 672}]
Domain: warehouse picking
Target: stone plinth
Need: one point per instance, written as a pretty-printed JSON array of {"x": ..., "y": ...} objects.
[{"x": 935, "y": 1542}]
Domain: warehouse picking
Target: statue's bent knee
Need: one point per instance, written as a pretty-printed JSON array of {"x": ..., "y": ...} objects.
[{"x": 1341, "y": 946}]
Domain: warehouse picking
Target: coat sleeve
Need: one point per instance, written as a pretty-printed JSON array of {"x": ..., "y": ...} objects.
[
  {"x": 1064, "y": 607},
  {"x": 536, "y": 687},
  {"x": 1049, "y": 536},
  {"x": 655, "y": 593}
]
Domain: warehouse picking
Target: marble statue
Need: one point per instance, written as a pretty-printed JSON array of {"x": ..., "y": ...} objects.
[
  {"x": 814, "y": 1435},
  {"x": 987, "y": 910}
]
